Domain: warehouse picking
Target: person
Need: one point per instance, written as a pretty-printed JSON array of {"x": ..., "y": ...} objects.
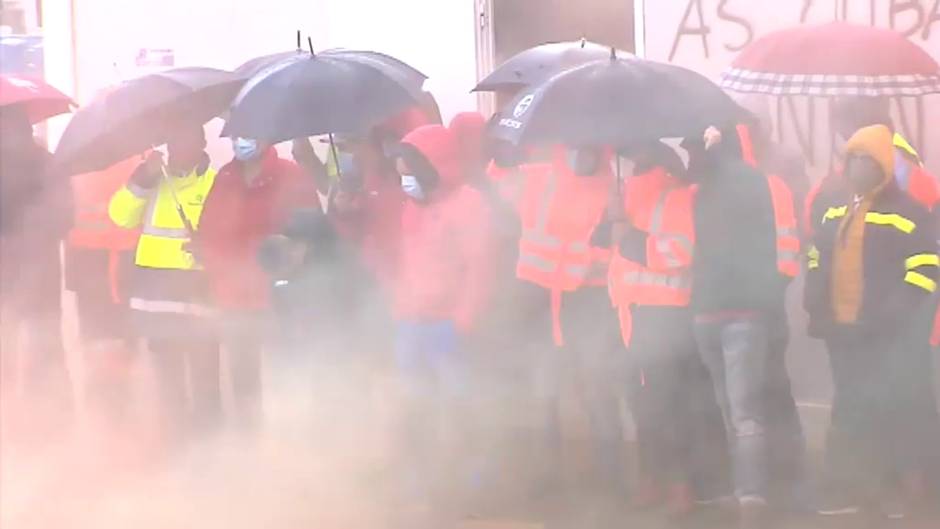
[
  {"x": 850, "y": 114},
  {"x": 168, "y": 293},
  {"x": 874, "y": 263},
  {"x": 320, "y": 291},
  {"x": 563, "y": 257},
  {"x": 774, "y": 158},
  {"x": 35, "y": 215},
  {"x": 378, "y": 197},
  {"x": 786, "y": 176},
  {"x": 737, "y": 289},
  {"x": 252, "y": 199},
  {"x": 98, "y": 260},
  {"x": 650, "y": 286},
  {"x": 442, "y": 287}
]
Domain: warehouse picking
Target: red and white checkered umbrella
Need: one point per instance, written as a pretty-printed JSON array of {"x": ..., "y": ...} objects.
[
  {"x": 38, "y": 99},
  {"x": 835, "y": 59}
]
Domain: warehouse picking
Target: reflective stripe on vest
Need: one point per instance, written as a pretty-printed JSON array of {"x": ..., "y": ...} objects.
[
  {"x": 170, "y": 307},
  {"x": 635, "y": 283},
  {"x": 894, "y": 220},
  {"x": 546, "y": 260},
  {"x": 666, "y": 243},
  {"x": 788, "y": 235},
  {"x": 647, "y": 278},
  {"x": 149, "y": 227}
]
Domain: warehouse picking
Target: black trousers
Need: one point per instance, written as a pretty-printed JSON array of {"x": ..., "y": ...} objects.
[
  {"x": 680, "y": 432},
  {"x": 871, "y": 425},
  {"x": 171, "y": 357}
]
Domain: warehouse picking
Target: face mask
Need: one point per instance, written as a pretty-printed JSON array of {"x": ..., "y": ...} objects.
[
  {"x": 390, "y": 148},
  {"x": 245, "y": 149},
  {"x": 582, "y": 162},
  {"x": 412, "y": 187}
]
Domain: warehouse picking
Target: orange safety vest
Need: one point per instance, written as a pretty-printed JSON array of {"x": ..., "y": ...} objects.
[
  {"x": 788, "y": 234},
  {"x": 93, "y": 228},
  {"x": 658, "y": 204},
  {"x": 559, "y": 212}
]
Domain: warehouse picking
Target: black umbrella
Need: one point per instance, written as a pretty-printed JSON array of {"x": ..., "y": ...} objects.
[
  {"x": 405, "y": 74},
  {"x": 536, "y": 65},
  {"x": 142, "y": 113},
  {"x": 616, "y": 102},
  {"x": 301, "y": 95}
]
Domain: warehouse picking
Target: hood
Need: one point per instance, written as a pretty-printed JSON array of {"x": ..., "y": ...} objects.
[
  {"x": 438, "y": 147},
  {"x": 469, "y": 131},
  {"x": 559, "y": 156},
  {"x": 876, "y": 142},
  {"x": 426, "y": 112}
]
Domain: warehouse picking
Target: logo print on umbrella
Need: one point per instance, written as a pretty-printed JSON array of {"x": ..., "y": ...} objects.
[
  {"x": 23, "y": 83},
  {"x": 523, "y": 106}
]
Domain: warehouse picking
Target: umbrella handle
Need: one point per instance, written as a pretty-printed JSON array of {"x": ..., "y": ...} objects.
[{"x": 339, "y": 171}]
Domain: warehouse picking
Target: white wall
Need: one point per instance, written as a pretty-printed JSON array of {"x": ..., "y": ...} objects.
[
  {"x": 435, "y": 36},
  {"x": 724, "y": 18}
]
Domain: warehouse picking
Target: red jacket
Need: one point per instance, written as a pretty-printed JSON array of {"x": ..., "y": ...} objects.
[
  {"x": 236, "y": 219},
  {"x": 374, "y": 231},
  {"x": 444, "y": 265}
]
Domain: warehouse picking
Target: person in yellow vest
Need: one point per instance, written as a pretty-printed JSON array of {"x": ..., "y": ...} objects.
[{"x": 168, "y": 291}]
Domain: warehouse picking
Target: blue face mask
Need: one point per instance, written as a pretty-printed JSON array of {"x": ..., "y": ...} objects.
[
  {"x": 412, "y": 187},
  {"x": 245, "y": 149}
]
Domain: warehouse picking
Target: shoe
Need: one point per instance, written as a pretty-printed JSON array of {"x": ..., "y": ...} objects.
[
  {"x": 648, "y": 495},
  {"x": 836, "y": 503},
  {"x": 892, "y": 509},
  {"x": 680, "y": 501},
  {"x": 753, "y": 512}
]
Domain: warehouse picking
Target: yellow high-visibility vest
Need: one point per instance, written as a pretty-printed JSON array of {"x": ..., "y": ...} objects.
[{"x": 163, "y": 232}]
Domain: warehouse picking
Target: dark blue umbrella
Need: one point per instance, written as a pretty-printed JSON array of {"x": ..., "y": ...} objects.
[
  {"x": 536, "y": 65},
  {"x": 142, "y": 113},
  {"x": 616, "y": 101},
  {"x": 402, "y": 72},
  {"x": 294, "y": 95}
]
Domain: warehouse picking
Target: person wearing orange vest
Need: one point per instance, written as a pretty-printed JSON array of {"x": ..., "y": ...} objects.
[
  {"x": 98, "y": 256},
  {"x": 650, "y": 285},
  {"x": 561, "y": 206}
]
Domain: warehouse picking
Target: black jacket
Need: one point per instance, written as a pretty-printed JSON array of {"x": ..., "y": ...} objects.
[
  {"x": 734, "y": 266},
  {"x": 888, "y": 300}
]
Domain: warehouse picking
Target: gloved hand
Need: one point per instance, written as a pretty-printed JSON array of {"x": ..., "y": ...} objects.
[{"x": 147, "y": 175}]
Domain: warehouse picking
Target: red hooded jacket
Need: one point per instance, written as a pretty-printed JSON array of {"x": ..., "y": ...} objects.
[
  {"x": 444, "y": 265},
  {"x": 237, "y": 218}
]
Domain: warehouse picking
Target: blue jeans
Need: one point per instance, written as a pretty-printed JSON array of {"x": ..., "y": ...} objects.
[
  {"x": 736, "y": 352},
  {"x": 428, "y": 355}
]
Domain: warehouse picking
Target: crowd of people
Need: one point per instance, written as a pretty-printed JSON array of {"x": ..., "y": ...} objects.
[{"x": 463, "y": 264}]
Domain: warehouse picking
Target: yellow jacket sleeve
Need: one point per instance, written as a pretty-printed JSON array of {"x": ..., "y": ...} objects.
[{"x": 126, "y": 208}]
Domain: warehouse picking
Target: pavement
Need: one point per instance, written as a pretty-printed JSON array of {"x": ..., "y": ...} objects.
[{"x": 327, "y": 458}]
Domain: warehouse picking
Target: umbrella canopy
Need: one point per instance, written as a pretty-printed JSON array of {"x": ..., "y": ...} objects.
[
  {"x": 37, "y": 99},
  {"x": 142, "y": 113},
  {"x": 616, "y": 102},
  {"x": 409, "y": 76},
  {"x": 303, "y": 95},
  {"x": 538, "y": 64},
  {"x": 836, "y": 59}
]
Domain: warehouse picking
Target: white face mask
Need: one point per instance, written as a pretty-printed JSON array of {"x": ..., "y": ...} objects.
[
  {"x": 245, "y": 149},
  {"x": 412, "y": 187}
]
